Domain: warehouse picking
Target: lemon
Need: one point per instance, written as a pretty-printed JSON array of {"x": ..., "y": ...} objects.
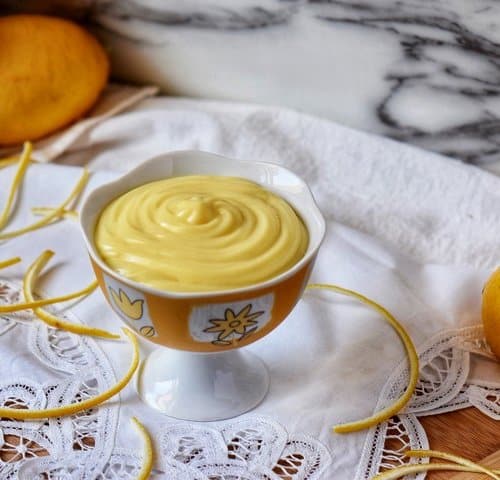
[
  {"x": 490, "y": 312},
  {"x": 51, "y": 72}
]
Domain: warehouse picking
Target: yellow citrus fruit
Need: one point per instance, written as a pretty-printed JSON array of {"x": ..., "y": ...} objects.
[
  {"x": 51, "y": 72},
  {"x": 491, "y": 312}
]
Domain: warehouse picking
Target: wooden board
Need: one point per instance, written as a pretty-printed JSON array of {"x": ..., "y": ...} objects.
[{"x": 468, "y": 433}]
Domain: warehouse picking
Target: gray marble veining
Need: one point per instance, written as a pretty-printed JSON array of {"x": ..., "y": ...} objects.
[
  {"x": 425, "y": 72},
  {"x": 443, "y": 90}
]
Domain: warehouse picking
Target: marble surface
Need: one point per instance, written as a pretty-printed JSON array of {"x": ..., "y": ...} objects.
[{"x": 425, "y": 72}]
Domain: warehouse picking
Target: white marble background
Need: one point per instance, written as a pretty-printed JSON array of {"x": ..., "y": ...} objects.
[{"x": 421, "y": 71}]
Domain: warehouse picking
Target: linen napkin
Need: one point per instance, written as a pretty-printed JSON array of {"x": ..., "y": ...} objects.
[
  {"x": 412, "y": 230},
  {"x": 114, "y": 99},
  {"x": 425, "y": 205},
  {"x": 328, "y": 361}
]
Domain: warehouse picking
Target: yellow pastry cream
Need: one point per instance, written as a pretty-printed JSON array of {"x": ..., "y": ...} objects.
[{"x": 200, "y": 233}]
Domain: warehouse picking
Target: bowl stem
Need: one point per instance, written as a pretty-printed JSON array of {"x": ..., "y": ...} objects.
[{"x": 202, "y": 387}]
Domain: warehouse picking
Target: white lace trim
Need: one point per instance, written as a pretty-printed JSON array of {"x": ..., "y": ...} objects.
[
  {"x": 86, "y": 372},
  {"x": 82, "y": 446},
  {"x": 256, "y": 448},
  {"x": 121, "y": 465},
  {"x": 250, "y": 448},
  {"x": 386, "y": 443},
  {"x": 442, "y": 387}
]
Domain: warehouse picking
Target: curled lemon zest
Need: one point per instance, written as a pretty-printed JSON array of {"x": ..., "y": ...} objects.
[
  {"x": 57, "y": 212},
  {"x": 29, "y": 282},
  {"x": 453, "y": 458},
  {"x": 72, "y": 408},
  {"x": 68, "y": 213},
  {"x": 399, "y": 404},
  {"x": 147, "y": 456},
  {"x": 5, "y": 162},
  {"x": 16, "y": 182},
  {"x": 400, "y": 472},
  {"x": 17, "y": 307},
  {"x": 9, "y": 262}
]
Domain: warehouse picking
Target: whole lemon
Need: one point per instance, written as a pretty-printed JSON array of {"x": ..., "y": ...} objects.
[
  {"x": 491, "y": 312},
  {"x": 51, "y": 72}
]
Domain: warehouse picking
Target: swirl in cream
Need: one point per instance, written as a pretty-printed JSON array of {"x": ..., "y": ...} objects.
[{"x": 200, "y": 233}]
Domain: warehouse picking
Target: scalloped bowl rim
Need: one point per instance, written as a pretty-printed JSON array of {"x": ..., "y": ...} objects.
[{"x": 153, "y": 168}]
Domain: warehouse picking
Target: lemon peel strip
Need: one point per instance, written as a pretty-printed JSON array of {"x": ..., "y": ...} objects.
[
  {"x": 29, "y": 282},
  {"x": 5, "y": 162},
  {"x": 147, "y": 462},
  {"x": 399, "y": 404},
  {"x": 400, "y": 472},
  {"x": 16, "y": 182},
  {"x": 54, "y": 214},
  {"x": 9, "y": 262},
  {"x": 69, "y": 213},
  {"x": 17, "y": 307},
  {"x": 72, "y": 408},
  {"x": 452, "y": 458}
]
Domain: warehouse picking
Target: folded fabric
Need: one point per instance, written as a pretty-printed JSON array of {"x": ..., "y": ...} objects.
[
  {"x": 424, "y": 205},
  {"x": 329, "y": 361},
  {"x": 413, "y": 230},
  {"x": 114, "y": 99}
]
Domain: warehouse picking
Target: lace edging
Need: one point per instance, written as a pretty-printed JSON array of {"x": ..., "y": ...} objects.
[{"x": 442, "y": 387}]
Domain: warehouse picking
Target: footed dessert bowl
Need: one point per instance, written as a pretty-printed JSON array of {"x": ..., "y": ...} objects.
[{"x": 197, "y": 370}]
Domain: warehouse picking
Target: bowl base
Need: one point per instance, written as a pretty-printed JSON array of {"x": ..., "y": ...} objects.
[{"x": 202, "y": 387}]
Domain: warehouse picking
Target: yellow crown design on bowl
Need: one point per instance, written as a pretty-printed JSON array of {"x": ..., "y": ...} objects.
[{"x": 132, "y": 309}]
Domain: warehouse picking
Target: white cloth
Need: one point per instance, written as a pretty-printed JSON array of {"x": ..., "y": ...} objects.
[
  {"x": 412, "y": 230},
  {"x": 425, "y": 205},
  {"x": 114, "y": 99}
]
